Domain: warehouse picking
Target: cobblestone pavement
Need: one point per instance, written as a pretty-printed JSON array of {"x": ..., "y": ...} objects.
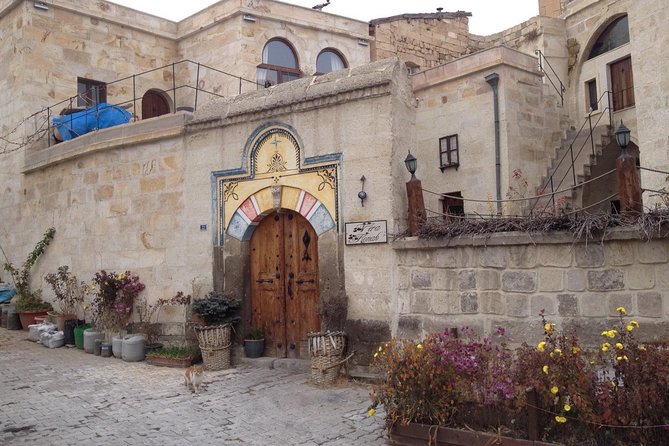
[{"x": 66, "y": 397}]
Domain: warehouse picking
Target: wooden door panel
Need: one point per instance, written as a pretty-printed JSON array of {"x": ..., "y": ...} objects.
[
  {"x": 267, "y": 284},
  {"x": 302, "y": 287}
]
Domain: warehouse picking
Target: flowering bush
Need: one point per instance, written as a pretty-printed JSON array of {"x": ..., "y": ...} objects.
[
  {"x": 615, "y": 396},
  {"x": 68, "y": 291},
  {"x": 114, "y": 298},
  {"x": 442, "y": 379}
]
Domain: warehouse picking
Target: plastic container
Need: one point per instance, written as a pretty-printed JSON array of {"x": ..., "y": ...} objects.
[
  {"x": 3, "y": 320},
  {"x": 34, "y": 332},
  {"x": 79, "y": 335},
  {"x": 105, "y": 349},
  {"x": 133, "y": 349},
  {"x": 97, "y": 350},
  {"x": 68, "y": 331},
  {"x": 117, "y": 346},
  {"x": 90, "y": 336},
  {"x": 13, "y": 320}
]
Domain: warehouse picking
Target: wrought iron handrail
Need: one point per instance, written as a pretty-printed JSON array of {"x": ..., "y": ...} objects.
[
  {"x": 132, "y": 103},
  {"x": 550, "y": 181},
  {"x": 543, "y": 62}
]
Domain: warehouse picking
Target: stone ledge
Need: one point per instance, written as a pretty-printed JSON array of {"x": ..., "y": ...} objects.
[
  {"x": 511, "y": 239},
  {"x": 140, "y": 132}
]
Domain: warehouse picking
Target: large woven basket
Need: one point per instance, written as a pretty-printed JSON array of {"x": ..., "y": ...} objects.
[
  {"x": 326, "y": 351},
  {"x": 215, "y": 344},
  {"x": 330, "y": 343}
]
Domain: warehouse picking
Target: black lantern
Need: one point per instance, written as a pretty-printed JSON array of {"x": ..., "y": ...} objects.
[
  {"x": 622, "y": 135},
  {"x": 412, "y": 164}
]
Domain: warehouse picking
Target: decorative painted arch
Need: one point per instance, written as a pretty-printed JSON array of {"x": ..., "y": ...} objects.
[
  {"x": 265, "y": 201},
  {"x": 275, "y": 175}
]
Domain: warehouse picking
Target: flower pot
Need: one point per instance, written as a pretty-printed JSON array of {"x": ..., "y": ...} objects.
[
  {"x": 254, "y": 348},
  {"x": 68, "y": 331},
  {"x": 422, "y": 434},
  {"x": 170, "y": 362},
  {"x": 148, "y": 348},
  {"x": 105, "y": 349},
  {"x": 28, "y": 318},
  {"x": 79, "y": 335},
  {"x": 90, "y": 336},
  {"x": 60, "y": 319},
  {"x": 117, "y": 347},
  {"x": 133, "y": 348}
]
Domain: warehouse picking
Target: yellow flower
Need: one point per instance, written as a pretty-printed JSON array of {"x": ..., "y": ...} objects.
[
  {"x": 611, "y": 334},
  {"x": 549, "y": 327},
  {"x": 619, "y": 346},
  {"x": 634, "y": 324},
  {"x": 613, "y": 383},
  {"x": 419, "y": 346},
  {"x": 558, "y": 351},
  {"x": 121, "y": 276},
  {"x": 376, "y": 354},
  {"x": 605, "y": 346},
  {"x": 542, "y": 346},
  {"x": 575, "y": 349},
  {"x": 621, "y": 310},
  {"x": 371, "y": 412},
  {"x": 560, "y": 419},
  {"x": 554, "y": 390},
  {"x": 642, "y": 347},
  {"x": 630, "y": 328},
  {"x": 567, "y": 407},
  {"x": 85, "y": 307},
  {"x": 622, "y": 358},
  {"x": 545, "y": 369}
]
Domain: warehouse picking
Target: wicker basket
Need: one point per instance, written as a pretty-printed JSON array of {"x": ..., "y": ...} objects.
[
  {"x": 327, "y": 344},
  {"x": 326, "y": 351},
  {"x": 215, "y": 344}
]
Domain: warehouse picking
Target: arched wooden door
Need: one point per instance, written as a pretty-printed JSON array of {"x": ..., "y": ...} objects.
[
  {"x": 284, "y": 283},
  {"x": 154, "y": 104}
]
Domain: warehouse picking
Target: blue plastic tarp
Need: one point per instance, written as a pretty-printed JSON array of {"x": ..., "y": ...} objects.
[
  {"x": 6, "y": 296},
  {"x": 100, "y": 116}
]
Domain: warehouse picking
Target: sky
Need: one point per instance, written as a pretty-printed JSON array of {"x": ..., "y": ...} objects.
[{"x": 488, "y": 16}]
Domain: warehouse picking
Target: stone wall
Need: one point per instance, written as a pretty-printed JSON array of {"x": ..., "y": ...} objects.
[
  {"x": 507, "y": 279},
  {"x": 421, "y": 40}
]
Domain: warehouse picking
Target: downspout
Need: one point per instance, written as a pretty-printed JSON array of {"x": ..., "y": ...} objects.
[{"x": 493, "y": 81}]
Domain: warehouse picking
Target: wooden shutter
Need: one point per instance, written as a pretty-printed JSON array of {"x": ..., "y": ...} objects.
[{"x": 622, "y": 84}]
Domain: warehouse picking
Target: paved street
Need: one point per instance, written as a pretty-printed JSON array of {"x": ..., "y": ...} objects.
[{"x": 65, "y": 397}]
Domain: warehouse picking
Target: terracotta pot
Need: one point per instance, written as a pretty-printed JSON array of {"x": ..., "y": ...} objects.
[
  {"x": 415, "y": 434},
  {"x": 28, "y": 317}
]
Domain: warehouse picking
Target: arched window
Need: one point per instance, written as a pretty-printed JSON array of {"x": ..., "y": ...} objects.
[
  {"x": 279, "y": 64},
  {"x": 615, "y": 35},
  {"x": 329, "y": 60}
]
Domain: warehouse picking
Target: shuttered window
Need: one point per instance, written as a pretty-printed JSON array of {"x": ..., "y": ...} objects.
[{"x": 622, "y": 84}]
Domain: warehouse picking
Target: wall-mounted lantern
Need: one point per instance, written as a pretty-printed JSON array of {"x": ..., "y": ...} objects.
[{"x": 362, "y": 194}]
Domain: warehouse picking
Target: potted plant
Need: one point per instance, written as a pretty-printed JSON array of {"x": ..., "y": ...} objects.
[
  {"x": 113, "y": 302},
  {"x": 218, "y": 312},
  {"x": 69, "y": 294},
  {"x": 174, "y": 356},
  {"x": 149, "y": 317},
  {"x": 254, "y": 343},
  {"x": 29, "y": 303}
]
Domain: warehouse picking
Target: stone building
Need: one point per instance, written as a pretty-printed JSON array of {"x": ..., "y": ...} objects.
[{"x": 256, "y": 125}]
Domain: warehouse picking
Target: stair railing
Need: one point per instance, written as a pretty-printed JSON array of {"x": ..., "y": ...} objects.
[
  {"x": 550, "y": 182},
  {"x": 543, "y": 63}
]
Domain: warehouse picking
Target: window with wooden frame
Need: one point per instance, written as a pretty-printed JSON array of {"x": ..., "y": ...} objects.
[
  {"x": 330, "y": 60},
  {"x": 279, "y": 64},
  {"x": 448, "y": 152},
  {"x": 90, "y": 92},
  {"x": 452, "y": 204},
  {"x": 622, "y": 84}
]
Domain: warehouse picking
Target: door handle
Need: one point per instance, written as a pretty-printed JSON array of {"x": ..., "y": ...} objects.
[
  {"x": 264, "y": 280},
  {"x": 300, "y": 281}
]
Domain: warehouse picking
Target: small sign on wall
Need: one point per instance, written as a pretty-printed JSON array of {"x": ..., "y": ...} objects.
[{"x": 366, "y": 232}]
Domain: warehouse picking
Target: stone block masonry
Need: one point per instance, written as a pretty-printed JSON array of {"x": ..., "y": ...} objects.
[{"x": 514, "y": 277}]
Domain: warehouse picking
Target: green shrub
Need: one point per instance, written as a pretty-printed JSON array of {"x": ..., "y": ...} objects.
[{"x": 217, "y": 309}]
